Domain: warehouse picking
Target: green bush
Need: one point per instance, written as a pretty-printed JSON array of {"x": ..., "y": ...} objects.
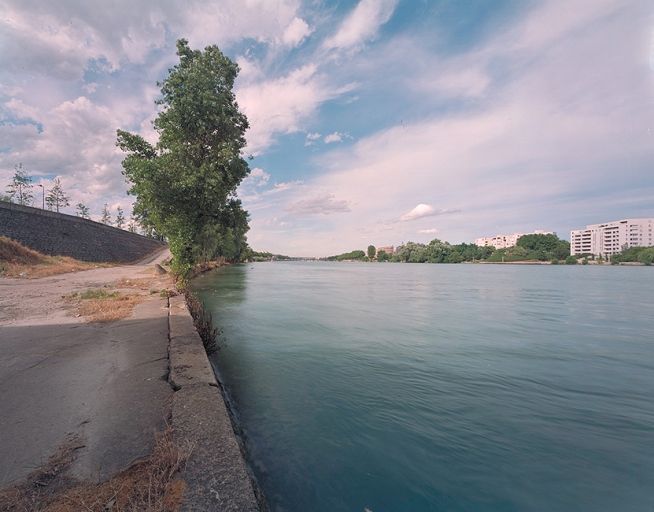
[
  {"x": 646, "y": 256},
  {"x": 571, "y": 260}
]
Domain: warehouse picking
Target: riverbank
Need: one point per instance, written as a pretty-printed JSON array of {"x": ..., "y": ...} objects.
[
  {"x": 216, "y": 475},
  {"x": 87, "y": 395}
]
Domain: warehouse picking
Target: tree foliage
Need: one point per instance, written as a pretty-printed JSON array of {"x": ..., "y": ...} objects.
[
  {"x": 82, "y": 211},
  {"x": 372, "y": 252},
  {"x": 534, "y": 248},
  {"x": 20, "y": 188},
  {"x": 185, "y": 185},
  {"x": 438, "y": 251},
  {"x": 544, "y": 247},
  {"x": 120, "y": 218},
  {"x": 383, "y": 256},
  {"x": 353, "y": 255},
  {"x": 56, "y": 197},
  {"x": 644, "y": 255},
  {"x": 106, "y": 215}
]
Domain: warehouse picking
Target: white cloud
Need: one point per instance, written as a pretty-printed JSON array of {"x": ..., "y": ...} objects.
[
  {"x": 324, "y": 204},
  {"x": 296, "y": 32},
  {"x": 77, "y": 142},
  {"x": 541, "y": 135},
  {"x": 286, "y": 185},
  {"x": 362, "y": 24},
  {"x": 312, "y": 138},
  {"x": 424, "y": 210},
  {"x": 282, "y": 105},
  {"x": 60, "y": 39},
  {"x": 470, "y": 82},
  {"x": 90, "y": 88},
  {"x": 333, "y": 137},
  {"x": 257, "y": 178},
  {"x": 21, "y": 110}
]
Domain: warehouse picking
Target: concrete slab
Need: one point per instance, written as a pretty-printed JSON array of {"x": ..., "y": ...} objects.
[
  {"x": 189, "y": 364},
  {"x": 215, "y": 473},
  {"x": 60, "y": 376}
]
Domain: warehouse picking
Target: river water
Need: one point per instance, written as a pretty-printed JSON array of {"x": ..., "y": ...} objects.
[{"x": 400, "y": 387}]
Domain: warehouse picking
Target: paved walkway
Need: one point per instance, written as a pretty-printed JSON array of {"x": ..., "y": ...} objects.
[{"x": 61, "y": 376}]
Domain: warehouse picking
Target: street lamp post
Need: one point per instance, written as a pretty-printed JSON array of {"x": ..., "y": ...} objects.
[{"x": 43, "y": 190}]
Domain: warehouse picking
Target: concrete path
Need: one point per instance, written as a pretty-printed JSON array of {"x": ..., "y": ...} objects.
[{"x": 61, "y": 376}]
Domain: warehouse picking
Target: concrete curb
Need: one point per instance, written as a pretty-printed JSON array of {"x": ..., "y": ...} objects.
[{"x": 216, "y": 474}]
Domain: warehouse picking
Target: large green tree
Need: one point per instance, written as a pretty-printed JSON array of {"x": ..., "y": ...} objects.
[{"x": 185, "y": 185}]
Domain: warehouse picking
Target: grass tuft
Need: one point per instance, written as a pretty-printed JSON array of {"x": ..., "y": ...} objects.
[
  {"x": 97, "y": 293},
  {"x": 203, "y": 322},
  {"x": 103, "y": 306},
  {"x": 152, "y": 484}
]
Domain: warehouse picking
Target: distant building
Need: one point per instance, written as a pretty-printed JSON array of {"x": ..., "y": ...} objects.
[
  {"x": 389, "y": 249},
  {"x": 612, "y": 237},
  {"x": 505, "y": 241}
]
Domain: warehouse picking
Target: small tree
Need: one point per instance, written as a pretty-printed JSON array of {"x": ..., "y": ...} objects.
[
  {"x": 56, "y": 197},
  {"x": 120, "y": 218},
  {"x": 19, "y": 189},
  {"x": 131, "y": 227},
  {"x": 82, "y": 211},
  {"x": 106, "y": 216},
  {"x": 372, "y": 252}
]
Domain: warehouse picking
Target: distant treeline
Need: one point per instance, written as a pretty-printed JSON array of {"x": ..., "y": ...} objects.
[
  {"x": 644, "y": 255},
  {"x": 348, "y": 256},
  {"x": 266, "y": 256},
  {"x": 529, "y": 248}
]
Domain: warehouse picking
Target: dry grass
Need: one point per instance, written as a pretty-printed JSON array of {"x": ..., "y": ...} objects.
[
  {"x": 203, "y": 322},
  {"x": 16, "y": 260},
  {"x": 151, "y": 484},
  {"x": 137, "y": 283},
  {"x": 102, "y": 306},
  {"x": 152, "y": 285}
]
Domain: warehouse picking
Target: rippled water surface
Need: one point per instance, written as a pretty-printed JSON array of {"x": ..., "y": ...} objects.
[{"x": 398, "y": 387}]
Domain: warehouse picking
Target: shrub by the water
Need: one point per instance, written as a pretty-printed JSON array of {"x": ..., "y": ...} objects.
[{"x": 203, "y": 322}]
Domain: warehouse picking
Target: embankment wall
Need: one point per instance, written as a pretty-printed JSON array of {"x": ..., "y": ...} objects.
[
  {"x": 66, "y": 235},
  {"x": 215, "y": 473}
]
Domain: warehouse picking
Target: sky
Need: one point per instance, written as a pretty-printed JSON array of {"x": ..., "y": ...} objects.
[{"x": 372, "y": 121}]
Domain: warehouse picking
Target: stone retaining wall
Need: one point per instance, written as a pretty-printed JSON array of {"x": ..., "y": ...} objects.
[
  {"x": 66, "y": 235},
  {"x": 216, "y": 474}
]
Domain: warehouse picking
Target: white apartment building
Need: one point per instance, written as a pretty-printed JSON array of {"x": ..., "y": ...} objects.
[
  {"x": 504, "y": 241},
  {"x": 612, "y": 237}
]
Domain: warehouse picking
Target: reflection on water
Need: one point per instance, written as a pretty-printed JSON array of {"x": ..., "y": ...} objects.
[{"x": 441, "y": 387}]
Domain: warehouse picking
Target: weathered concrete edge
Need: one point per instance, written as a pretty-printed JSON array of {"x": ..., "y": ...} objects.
[{"x": 216, "y": 473}]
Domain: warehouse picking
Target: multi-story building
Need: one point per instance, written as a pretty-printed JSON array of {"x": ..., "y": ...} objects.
[
  {"x": 389, "y": 249},
  {"x": 612, "y": 237},
  {"x": 504, "y": 241}
]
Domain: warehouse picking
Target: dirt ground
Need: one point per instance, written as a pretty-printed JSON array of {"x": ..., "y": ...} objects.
[{"x": 101, "y": 383}]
